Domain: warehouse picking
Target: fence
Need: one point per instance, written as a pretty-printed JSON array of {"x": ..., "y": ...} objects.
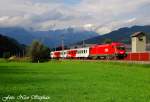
[{"x": 145, "y": 56}]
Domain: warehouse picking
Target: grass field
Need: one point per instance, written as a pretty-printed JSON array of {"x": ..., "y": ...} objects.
[{"x": 76, "y": 81}]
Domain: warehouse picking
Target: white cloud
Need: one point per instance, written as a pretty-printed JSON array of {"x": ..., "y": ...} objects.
[
  {"x": 8, "y": 21},
  {"x": 102, "y": 15},
  {"x": 131, "y": 20},
  {"x": 89, "y": 27},
  {"x": 103, "y": 30}
]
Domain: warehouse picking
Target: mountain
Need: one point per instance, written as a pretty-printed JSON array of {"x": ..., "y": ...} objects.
[
  {"x": 21, "y": 35},
  {"x": 51, "y": 38},
  {"x": 9, "y": 46},
  {"x": 120, "y": 35}
]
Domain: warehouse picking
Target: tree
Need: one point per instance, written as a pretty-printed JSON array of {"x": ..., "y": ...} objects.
[
  {"x": 38, "y": 52},
  {"x": 108, "y": 41}
]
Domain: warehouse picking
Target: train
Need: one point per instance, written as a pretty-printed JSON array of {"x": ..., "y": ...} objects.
[{"x": 114, "y": 50}]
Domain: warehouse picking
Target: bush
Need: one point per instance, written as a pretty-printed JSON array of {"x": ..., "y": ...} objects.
[{"x": 38, "y": 52}]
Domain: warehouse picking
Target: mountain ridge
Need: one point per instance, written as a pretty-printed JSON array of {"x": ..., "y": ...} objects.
[
  {"x": 51, "y": 38},
  {"x": 120, "y": 35}
]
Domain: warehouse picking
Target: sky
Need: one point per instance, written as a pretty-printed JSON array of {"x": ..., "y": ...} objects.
[{"x": 101, "y": 16}]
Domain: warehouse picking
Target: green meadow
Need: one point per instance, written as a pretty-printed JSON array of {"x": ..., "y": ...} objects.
[{"x": 75, "y": 81}]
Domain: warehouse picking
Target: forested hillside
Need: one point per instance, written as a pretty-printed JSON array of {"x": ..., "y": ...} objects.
[{"x": 9, "y": 47}]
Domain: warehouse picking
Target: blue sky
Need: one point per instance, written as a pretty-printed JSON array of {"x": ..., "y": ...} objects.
[
  {"x": 71, "y": 2},
  {"x": 101, "y": 16}
]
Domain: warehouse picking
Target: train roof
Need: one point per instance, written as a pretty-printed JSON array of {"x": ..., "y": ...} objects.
[
  {"x": 113, "y": 44},
  {"x": 96, "y": 45}
]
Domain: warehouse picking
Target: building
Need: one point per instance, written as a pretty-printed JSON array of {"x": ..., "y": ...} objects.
[{"x": 138, "y": 42}]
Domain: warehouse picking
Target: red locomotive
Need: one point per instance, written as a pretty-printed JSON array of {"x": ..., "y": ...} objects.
[{"x": 104, "y": 51}]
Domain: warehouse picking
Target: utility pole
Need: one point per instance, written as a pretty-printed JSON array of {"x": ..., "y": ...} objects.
[
  {"x": 83, "y": 44},
  {"x": 62, "y": 45}
]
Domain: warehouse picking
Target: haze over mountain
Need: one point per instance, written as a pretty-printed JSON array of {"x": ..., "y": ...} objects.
[{"x": 51, "y": 38}]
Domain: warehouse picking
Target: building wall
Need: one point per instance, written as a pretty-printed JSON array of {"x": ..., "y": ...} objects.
[{"x": 137, "y": 45}]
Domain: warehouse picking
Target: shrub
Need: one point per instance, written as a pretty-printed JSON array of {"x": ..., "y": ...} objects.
[{"x": 38, "y": 52}]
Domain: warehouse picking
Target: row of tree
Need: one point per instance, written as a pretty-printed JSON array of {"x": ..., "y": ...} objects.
[{"x": 37, "y": 52}]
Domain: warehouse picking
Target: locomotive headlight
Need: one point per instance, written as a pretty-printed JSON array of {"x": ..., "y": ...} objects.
[{"x": 121, "y": 52}]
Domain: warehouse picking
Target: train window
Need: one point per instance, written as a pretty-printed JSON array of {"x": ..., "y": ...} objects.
[{"x": 121, "y": 48}]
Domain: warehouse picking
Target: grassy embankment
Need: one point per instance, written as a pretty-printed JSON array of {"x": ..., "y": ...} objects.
[{"x": 76, "y": 81}]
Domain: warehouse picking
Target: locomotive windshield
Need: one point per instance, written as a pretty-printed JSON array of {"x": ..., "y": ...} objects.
[{"x": 121, "y": 48}]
